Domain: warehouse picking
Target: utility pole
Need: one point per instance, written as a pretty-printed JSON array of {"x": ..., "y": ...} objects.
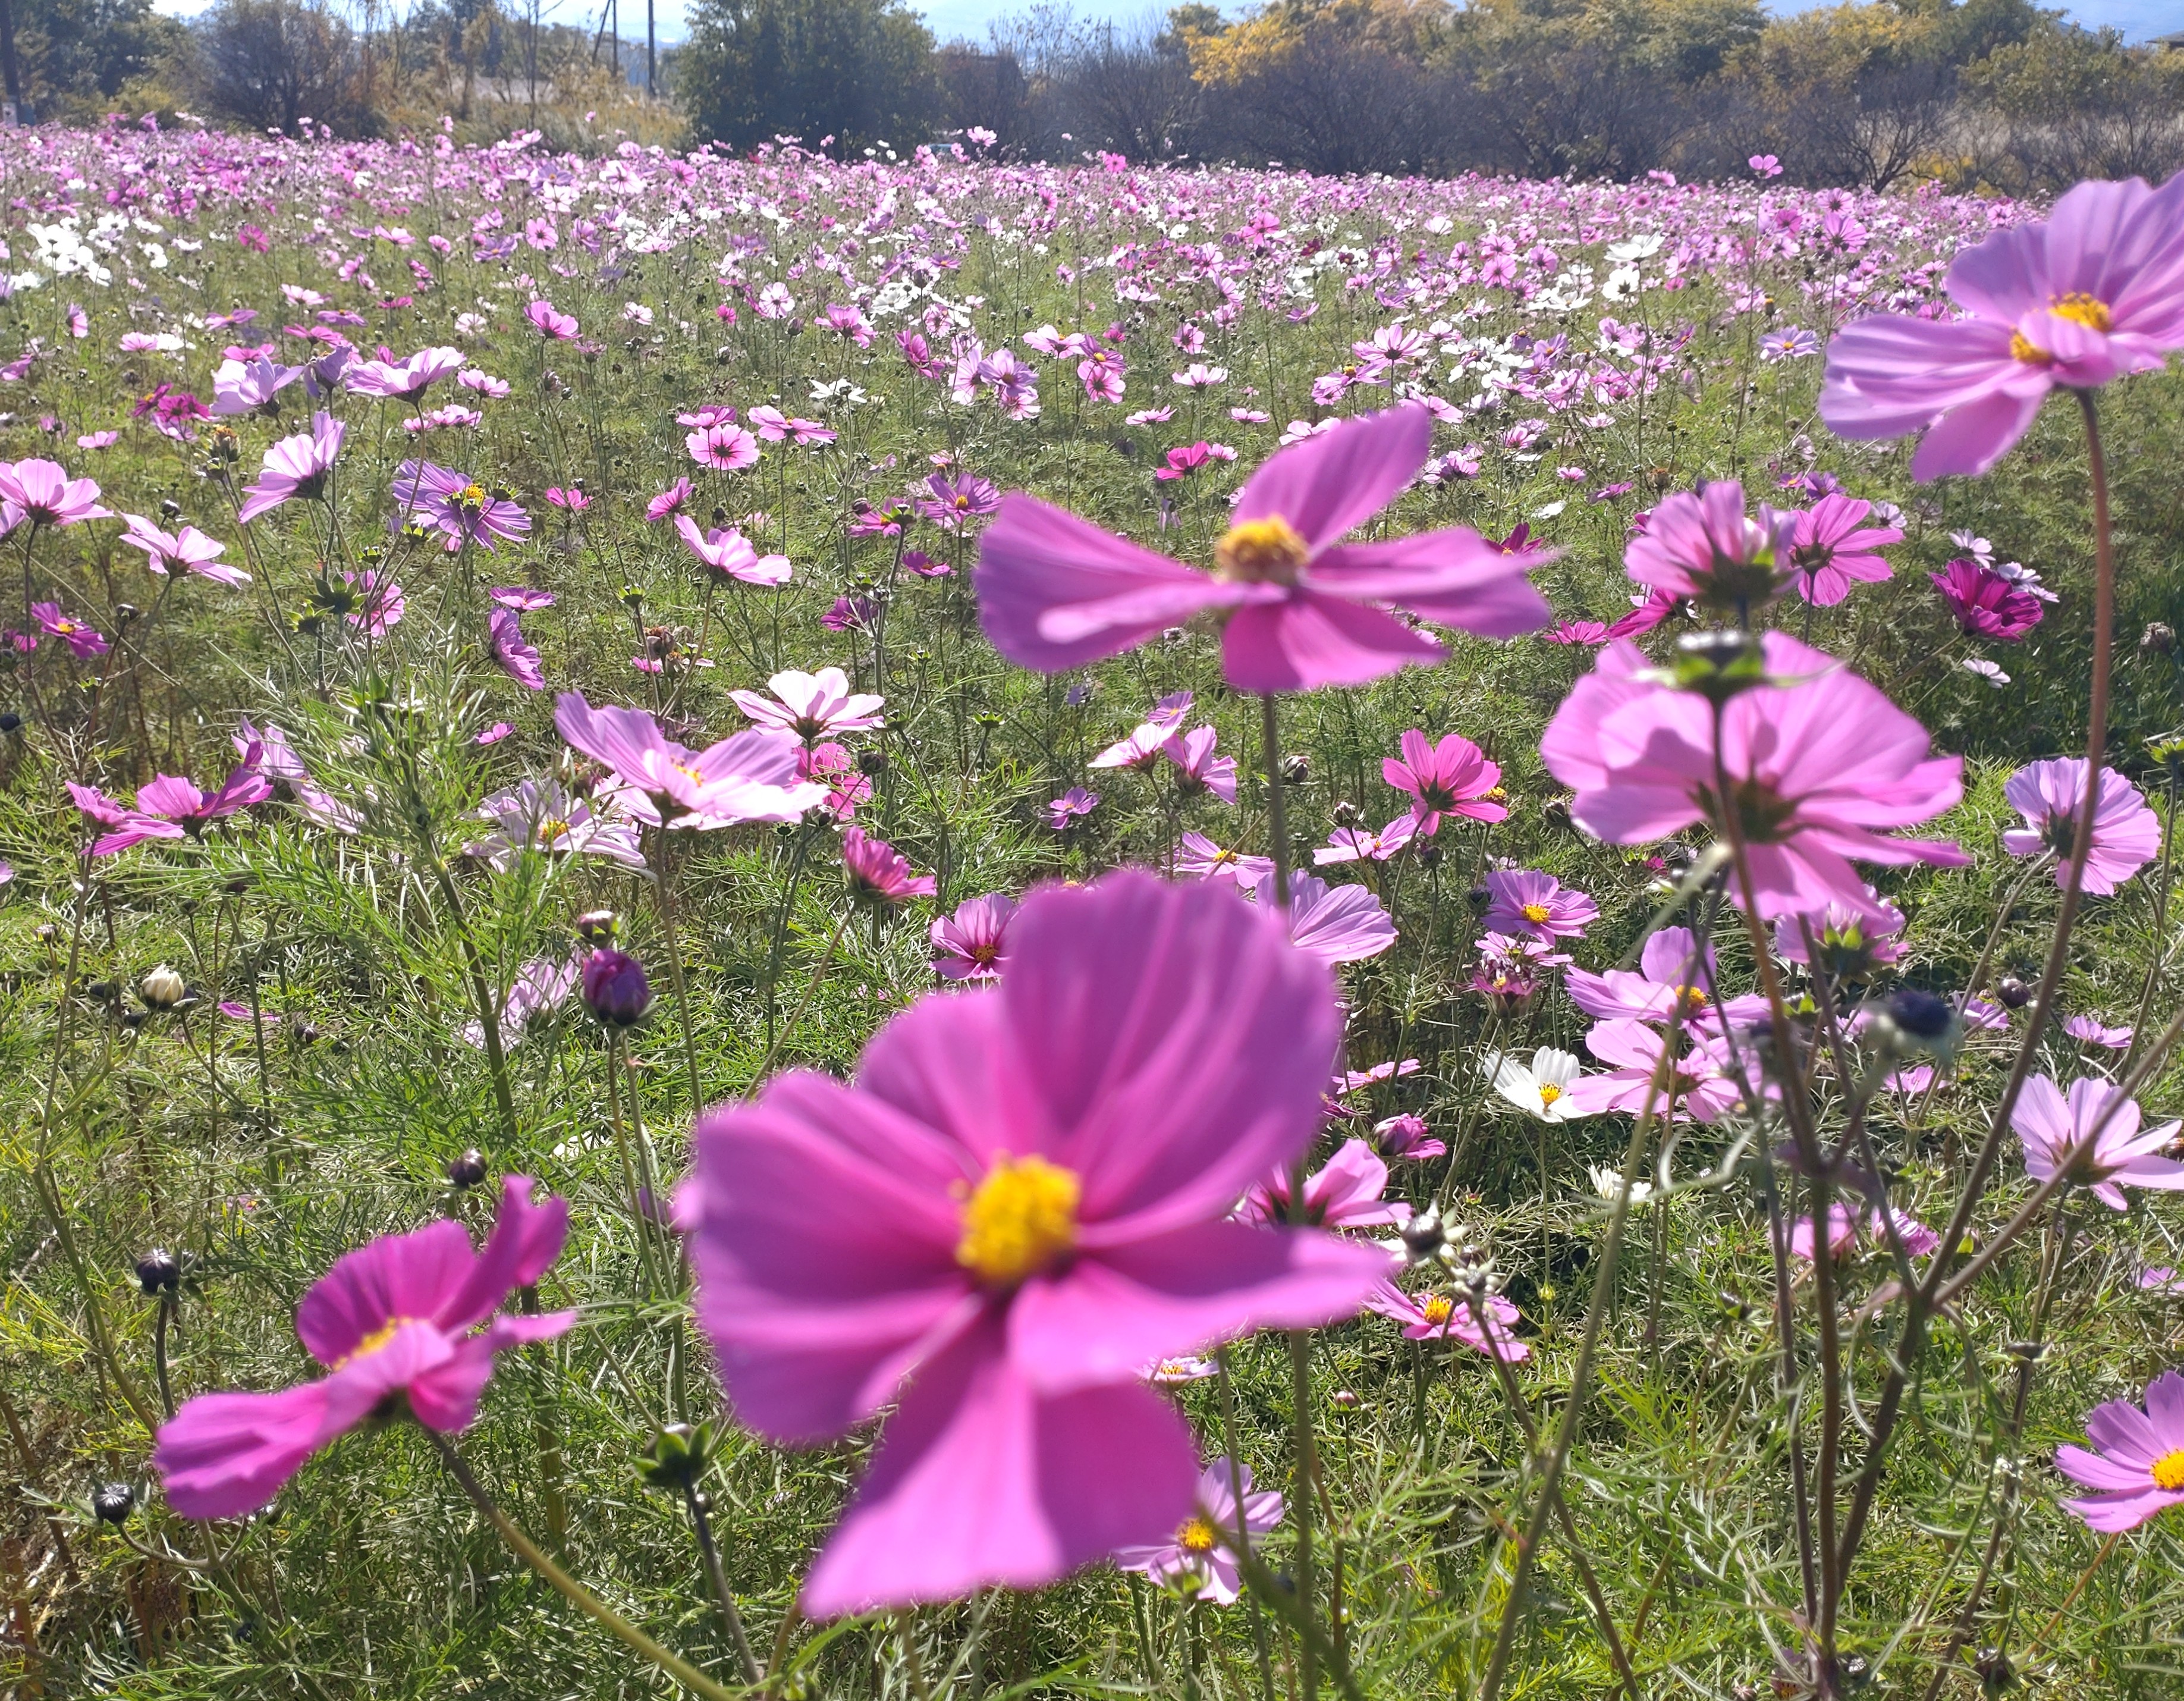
[
  {"x": 651, "y": 68},
  {"x": 16, "y": 115}
]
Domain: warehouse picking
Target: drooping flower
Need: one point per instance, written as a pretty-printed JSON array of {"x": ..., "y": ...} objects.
[
  {"x": 1348, "y": 1191},
  {"x": 43, "y": 492},
  {"x": 1986, "y": 603},
  {"x": 396, "y": 1324},
  {"x": 751, "y": 776},
  {"x": 2050, "y": 794},
  {"x": 1820, "y": 764},
  {"x": 1444, "y": 1317},
  {"x": 1303, "y": 608},
  {"x": 83, "y": 639},
  {"x": 2094, "y": 1136},
  {"x": 187, "y": 550},
  {"x": 1833, "y": 546},
  {"x": 2137, "y": 1474},
  {"x": 169, "y": 806},
  {"x": 671, "y": 500},
  {"x": 812, "y": 706},
  {"x": 880, "y": 873},
  {"x": 1539, "y": 1088},
  {"x": 1848, "y": 944},
  {"x": 1041, "y": 1174},
  {"x": 1526, "y": 902},
  {"x": 1704, "y": 546},
  {"x": 518, "y": 659},
  {"x": 973, "y": 944},
  {"x": 1450, "y": 777},
  {"x": 1195, "y": 1562},
  {"x": 295, "y": 468},
  {"x": 2094, "y": 291},
  {"x": 731, "y": 554}
]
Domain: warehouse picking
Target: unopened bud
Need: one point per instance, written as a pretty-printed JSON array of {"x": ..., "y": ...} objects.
[
  {"x": 113, "y": 1502},
  {"x": 467, "y": 1170},
  {"x": 163, "y": 989},
  {"x": 157, "y": 1272},
  {"x": 615, "y": 988}
]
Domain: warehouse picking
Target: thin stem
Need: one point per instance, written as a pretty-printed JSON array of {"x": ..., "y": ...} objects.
[
  {"x": 488, "y": 1010},
  {"x": 160, "y": 1351},
  {"x": 1228, "y": 1428},
  {"x": 664, "y": 869},
  {"x": 702, "y": 1526}
]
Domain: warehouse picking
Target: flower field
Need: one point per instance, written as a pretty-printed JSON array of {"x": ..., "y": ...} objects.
[{"x": 925, "y": 927}]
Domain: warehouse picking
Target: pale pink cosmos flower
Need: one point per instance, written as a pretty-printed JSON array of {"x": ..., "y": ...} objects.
[
  {"x": 1361, "y": 845},
  {"x": 973, "y": 944},
  {"x": 402, "y": 380},
  {"x": 2138, "y": 1472},
  {"x": 2090, "y": 1030},
  {"x": 185, "y": 550},
  {"x": 1697, "y": 1079},
  {"x": 1303, "y": 608},
  {"x": 295, "y": 468},
  {"x": 1833, "y": 546},
  {"x": 1705, "y": 547},
  {"x": 1525, "y": 901},
  {"x": 1336, "y": 924},
  {"x": 244, "y": 387},
  {"x": 1195, "y": 1562},
  {"x": 1672, "y": 971},
  {"x": 2094, "y": 1137},
  {"x": 1820, "y": 764},
  {"x": 2050, "y": 794},
  {"x": 396, "y": 1324},
  {"x": 539, "y": 816},
  {"x": 749, "y": 777},
  {"x": 1444, "y": 1317},
  {"x": 1197, "y": 768},
  {"x": 518, "y": 659},
  {"x": 1040, "y": 1175},
  {"x": 731, "y": 554},
  {"x": 2094, "y": 291},
  {"x": 169, "y": 806},
  {"x": 1345, "y": 1192},
  {"x": 1200, "y": 858},
  {"x": 812, "y": 705},
  {"x": 43, "y": 492},
  {"x": 1449, "y": 777}
]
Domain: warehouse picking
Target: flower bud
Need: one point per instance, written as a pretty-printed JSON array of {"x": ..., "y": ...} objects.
[
  {"x": 468, "y": 1170},
  {"x": 677, "y": 1455},
  {"x": 113, "y": 1502},
  {"x": 163, "y": 989},
  {"x": 1718, "y": 664},
  {"x": 615, "y": 988},
  {"x": 598, "y": 927},
  {"x": 2159, "y": 639},
  {"x": 2013, "y": 992},
  {"x": 157, "y": 1272}
]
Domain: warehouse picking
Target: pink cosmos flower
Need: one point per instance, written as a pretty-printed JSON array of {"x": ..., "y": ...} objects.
[
  {"x": 831, "y": 766},
  {"x": 2061, "y": 1134},
  {"x": 952, "y": 503},
  {"x": 1197, "y": 768},
  {"x": 2090, "y": 1030},
  {"x": 402, "y": 380},
  {"x": 1198, "y": 858},
  {"x": 43, "y": 492},
  {"x": 396, "y": 1324},
  {"x": 1344, "y": 1193},
  {"x": 1671, "y": 972},
  {"x": 1832, "y": 546},
  {"x": 1526, "y": 902},
  {"x": 169, "y": 806},
  {"x": 2094, "y": 291},
  {"x": 2138, "y": 1472},
  {"x": 1358, "y": 845},
  {"x": 1065, "y": 811},
  {"x": 880, "y": 872},
  {"x": 1984, "y": 603},
  {"x": 1195, "y": 1562},
  {"x": 1698, "y": 1080},
  {"x": 732, "y": 555},
  {"x": 1444, "y": 1317},
  {"x": 1817, "y": 764},
  {"x": 295, "y": 468},
  {"x": 1843, "y": 1233},
  {"x": 671, "y": 500},
  {"x": 517, "y": 659},
  {"x": 551, "y": 322},
  {"x": 377, "y": 602},
  {"x": 187, "y": 550},
  {"x": 2050, "y": 794},
  {"x": 973, "y": 944},
  {"x": 84, "y": 640},
  {"x": 1850, "y": 943},
  {"x": 539, "y": 816},
  {"x": 464, "y": 510},
  {"x": 1303, "y": 608},
  {"x": 1040, "y": 1174},
  {"x": 724, "y": 448},
  {"x": 750, "y": 777},
  {"x": 1451, "y": 777},
  {"x": 1336, "y": 924},
  {"x": 812, "y": 705},
  {"x": 242, "y": 386},
  {"x": 1703, "y": 546}
]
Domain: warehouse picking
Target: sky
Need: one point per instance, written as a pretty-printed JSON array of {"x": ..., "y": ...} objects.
[{"x": 950, "y": 19}]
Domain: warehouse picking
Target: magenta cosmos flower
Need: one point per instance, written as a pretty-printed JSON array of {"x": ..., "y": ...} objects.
[
  {"x": 812, "y": 706},
  {"x": 2050, "y": 794},
  {"x": 83, "y": 639},
  {"x": 1348, "y": 1191},
  {"x": 1039, "y": 1174},
  {"x": 550, "y": 323},
  {"x": 43, "y": 492},
  {"x": 1194, "y": 1561},
  {"x": 185, "y": 550},
  {"x": 878, "y": 872},
  {"x": 169, "y": 806},
  {"x": 295, "y": 468},
  {"x": 1303, "y": 608},
  {"x": 752, "y": 776},
  {"x": 396, "y": 1324},
  {"x": 973, "y": 944},
  {"x": 518, "y": 659},
  {"x": 1986, "y": 604},
  {"x": 2138, "y": 1472},
  {"x": 1833, "y": 547},
  {"x": 1818, "y": 765},
  {"x": 1065, "y": 811},
  {"x": 1444, "y": 1317},
  {"x": 2094, "y": 1135},
  {"x": 1524, "y": 901},
  {"x": 1705, "y": 547},
  {"x": 1451, "y": 777},
  {"x": 2092, "y": 292}
]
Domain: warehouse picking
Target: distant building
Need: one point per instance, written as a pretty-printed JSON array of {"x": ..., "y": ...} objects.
[{"x": 2173, "y": 42}]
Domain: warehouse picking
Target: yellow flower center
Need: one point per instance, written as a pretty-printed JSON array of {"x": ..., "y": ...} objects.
[
  {"x": 1196, "y": 1536},
  {"x": 1261, "y": 551},
  {"x": 378, "y": 1338},
  {"x": 1549, "y": 1092},
  {"x": 552, "y": 830},
  {"x": 1438, "y": 1308},
  {"x": 2082, "y": 310},
  {"x": 2168, "y": 1471},
  {"x": 472, "y": 496},
  {"x": 2022, "y": 349},
  {"x": 1022, "y": 1217},
  {"x": 1534, "y": 912}
]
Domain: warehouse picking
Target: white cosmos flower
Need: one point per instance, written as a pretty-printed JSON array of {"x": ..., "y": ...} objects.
[
  {"x": 1542, "y": 1090},
  {"x": 1608, "y": 1184}
]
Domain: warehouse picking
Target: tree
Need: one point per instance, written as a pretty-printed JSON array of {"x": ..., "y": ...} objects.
[
  {"x": 2075, "y": 104},
  {"x": 75, "y": 55},
  {"x": 860, "y": 70},
  {"x": 271, "y": 63}
]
